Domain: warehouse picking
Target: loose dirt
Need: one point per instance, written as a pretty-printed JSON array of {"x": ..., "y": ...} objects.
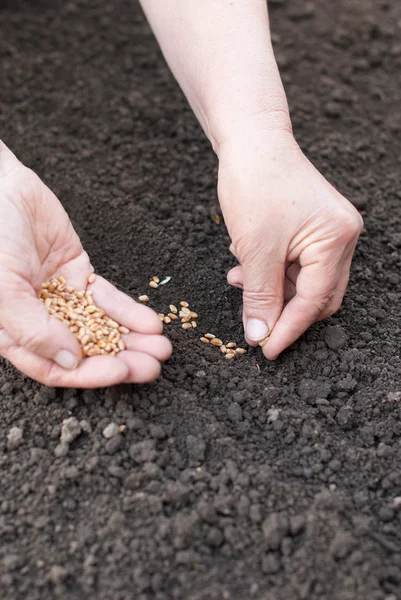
[{"x": 224, "y": 480}]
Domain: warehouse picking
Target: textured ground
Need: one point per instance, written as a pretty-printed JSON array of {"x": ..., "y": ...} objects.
[{"x": 233, "y": 480}]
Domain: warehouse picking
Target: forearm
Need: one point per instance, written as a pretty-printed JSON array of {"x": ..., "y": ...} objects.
[{"x": 221, "y": 55}]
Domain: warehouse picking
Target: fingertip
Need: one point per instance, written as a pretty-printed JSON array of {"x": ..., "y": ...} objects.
[
  {"x": 157, "y": 346},
  {"x": 142, "y": 368}
]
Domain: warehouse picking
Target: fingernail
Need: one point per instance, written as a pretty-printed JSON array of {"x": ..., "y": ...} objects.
[
  {"x": 256, "y": 330},
  {"x": 66, "y": 359}
]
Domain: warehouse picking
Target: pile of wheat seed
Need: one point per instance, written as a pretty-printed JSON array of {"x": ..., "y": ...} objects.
[{"x": 96, "y": 332}]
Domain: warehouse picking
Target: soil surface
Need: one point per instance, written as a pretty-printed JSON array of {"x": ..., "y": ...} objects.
[{"x": 233, "y": 480}]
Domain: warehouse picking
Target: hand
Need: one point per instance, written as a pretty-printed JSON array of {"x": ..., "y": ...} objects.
[
  {"x": 293, "y": 234},
  {"x": 37, "y": 241}
]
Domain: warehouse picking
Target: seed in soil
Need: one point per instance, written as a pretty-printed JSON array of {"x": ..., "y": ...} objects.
[
  {"x": 172, "y": 316},
  {"x": 143, "y": 298},
  {"x": 167, "y": 320},
  {"x": 161, "y": 316},
  {"x": 231, "y": 345},
  {"x": 153, "y": 284},
  {"x": 216, "y": 342},
  {"x": 155, "y": 279},
  {"x": 204, "y": 340},
  {"x": 184, "y": 304},
  {"x": 240, "y": 351},
  {"x": 194, "y": 325},
  {"x": 223, "y": 349},
  {"x": 186, "y": 326},
  {"x": 229, "y": 356},
  {"x": 173, "y": 309},
  {"x": 96, "y": 332},
  {"x": 209, "y": 336}
]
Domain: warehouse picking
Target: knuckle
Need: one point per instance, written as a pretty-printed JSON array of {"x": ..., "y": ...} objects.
[
  {"x": 262, "y": 297},
  {"x": 351, "y": 225},
  {"x": 31, "y": 340}
]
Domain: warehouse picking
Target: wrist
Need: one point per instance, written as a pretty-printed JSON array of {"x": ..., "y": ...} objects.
[
  {"x": 227, "y": 120},
  {"x": 269, "y": 129}
]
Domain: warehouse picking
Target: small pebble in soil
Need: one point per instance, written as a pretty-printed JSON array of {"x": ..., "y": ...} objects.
[
  {"x": 335, "y": 337},
  {"x": 111, "y": 430},
  {"x": 14, "y": 437},
  {"x": 61, "y": 449},
  {"x": 70, "y": 430}
]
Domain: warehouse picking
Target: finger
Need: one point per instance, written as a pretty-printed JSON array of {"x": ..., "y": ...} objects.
[
  {"x": 235, "y": 277},
  {"x": 124, "y": 309},
  {"x": 142, "y": 367},
  {"x": 76, "y": 272},
  {"x": 339, "y": 292},
  {"x": 290, "y": 282},
  {"x": 31, "y": 327},
  {"x": 233, "y": 251},
  {"x": 263, "y": 297},
  {"x": 157, "y": 346},
  {"x": 315, "y": 288},
  {"x": 97, "y": 371}
]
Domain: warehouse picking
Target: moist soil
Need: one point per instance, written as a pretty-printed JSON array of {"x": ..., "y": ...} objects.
[{"x": 235, "y": 479}]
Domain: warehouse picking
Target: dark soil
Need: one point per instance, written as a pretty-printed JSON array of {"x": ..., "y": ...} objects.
[{"x": 233, "y": 480}]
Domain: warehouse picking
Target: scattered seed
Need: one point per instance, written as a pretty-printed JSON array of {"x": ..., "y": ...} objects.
[
  {"x": 184, "y": 304},
  {"x": 209, "y": 336},
  {"x": 143, "y": 298},
  {"x": 165, "y": 280},
  {"x": 193, "y": 314},
  {"x": 155, "y": 279},
  {"x": 173, "y": 309},
  {"x": 216, "y": 342},
  {"x": 173, "y": 317},
  {"x": 240, "y": 351},
  {"x": 185, "y": 319},
  {"x": 204, "y": 340},
  {"x": 167, "y": 320},
  {"x": 91, "y": 278},
  {"x": 231, "y": 345},
  {"x": 223, "y": 349},
  {"x": 186, "y": 326},
  {"x": 153, "y": 284},
  {"x": 229, "y": 356},
  {"x": 161, "y": 316},
  {"x": 194, "y": 324}
]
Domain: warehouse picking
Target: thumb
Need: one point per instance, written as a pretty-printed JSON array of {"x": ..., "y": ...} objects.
[
  {"x": 263, "y": 297},
  {"x": 25, "y": 318}
]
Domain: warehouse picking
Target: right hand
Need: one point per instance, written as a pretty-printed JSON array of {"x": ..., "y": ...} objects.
[
  {"x": 37, "y": 242},
  {"x": 293, "y": 234}
]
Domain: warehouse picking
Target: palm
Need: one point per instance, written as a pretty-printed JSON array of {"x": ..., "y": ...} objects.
[{"x": 37, "y": 241}]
